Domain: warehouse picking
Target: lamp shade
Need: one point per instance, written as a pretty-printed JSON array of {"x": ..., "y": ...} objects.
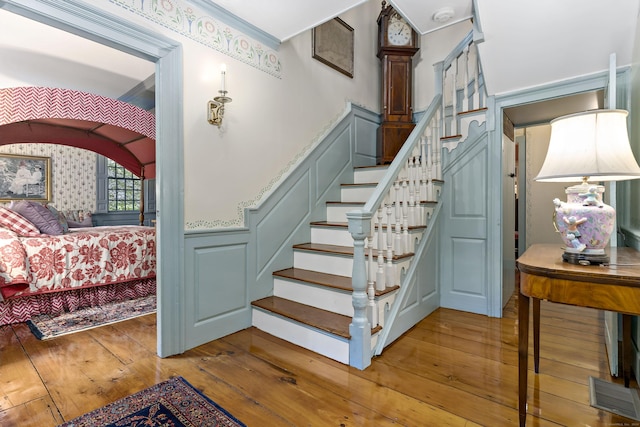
[{"x": 593, "y": 144}]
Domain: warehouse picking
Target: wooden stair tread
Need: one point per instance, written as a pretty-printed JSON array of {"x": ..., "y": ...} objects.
[
  {"x": 339, "y": 250},
  {"x": 362, "y": 184},
  {"x": 337, "y": 202},
  {"x": 324, "y": 320},
  {"x": 346, "y": 225},
  {"x": 324, "y": 279}
]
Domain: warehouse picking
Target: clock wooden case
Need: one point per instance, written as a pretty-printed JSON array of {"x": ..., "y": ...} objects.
[{"x": 397, "y": 44}]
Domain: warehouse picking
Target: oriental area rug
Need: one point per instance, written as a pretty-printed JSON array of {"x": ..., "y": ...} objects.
[
  {"x": 174, "y": 403},
  {"x": 46, "y": 326}
]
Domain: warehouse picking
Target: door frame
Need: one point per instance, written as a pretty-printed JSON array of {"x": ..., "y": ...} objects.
[
  {"x": 496, "y": 105},
  {"x": 92, "y": 23}
]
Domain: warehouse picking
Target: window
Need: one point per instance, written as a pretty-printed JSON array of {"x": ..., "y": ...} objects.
[{"x": 123, "y": 188}]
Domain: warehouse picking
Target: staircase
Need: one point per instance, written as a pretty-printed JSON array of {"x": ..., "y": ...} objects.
[
  {"x": 363, "y": 279},
  {"x": 312, "y": 303}
]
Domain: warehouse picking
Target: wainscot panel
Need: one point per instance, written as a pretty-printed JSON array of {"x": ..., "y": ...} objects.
[{"x": 216, "y": 265}]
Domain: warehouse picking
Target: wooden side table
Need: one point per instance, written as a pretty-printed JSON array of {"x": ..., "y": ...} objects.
[{"x": 544, "y": 276}]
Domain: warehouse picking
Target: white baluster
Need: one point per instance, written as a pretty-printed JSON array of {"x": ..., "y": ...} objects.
[
  {"x": 380, "y": 274},
  {"x": 454, "y": 112},
  {"x": 430, "y": 167},
  {"x": 405, "y": 215},
  {"x": 423, "y": 166},
  {"x": 372, "y": 313},
  {"x": 398, "y": 247},
  {"x": 390, "y": 269},
  {"x": 411, "y": 217},
  {"x": 476, "y": 75},
  {"x": 465, "y": 80}
]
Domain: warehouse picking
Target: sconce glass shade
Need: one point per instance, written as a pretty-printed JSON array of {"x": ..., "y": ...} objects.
[{"x": 591, "y": 144}]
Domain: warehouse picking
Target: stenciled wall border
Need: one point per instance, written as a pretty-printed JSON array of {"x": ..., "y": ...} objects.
[{"x": 196, "y": 24}]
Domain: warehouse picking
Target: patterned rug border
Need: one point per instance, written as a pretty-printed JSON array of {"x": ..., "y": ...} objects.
[
  {"x": 190, "y": 408},
  {"x": 46, "y": 326}
]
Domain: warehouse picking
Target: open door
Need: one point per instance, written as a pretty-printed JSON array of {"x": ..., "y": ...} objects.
[
  {"x": 612, "y": 319},
  {"x": 508, "y": 210}
]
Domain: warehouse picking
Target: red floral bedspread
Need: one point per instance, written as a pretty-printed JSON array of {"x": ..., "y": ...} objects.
[{"x": 81, "y": 258}]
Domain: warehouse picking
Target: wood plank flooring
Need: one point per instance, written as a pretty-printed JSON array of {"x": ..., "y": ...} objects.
[{"x": 453, "y": 368}]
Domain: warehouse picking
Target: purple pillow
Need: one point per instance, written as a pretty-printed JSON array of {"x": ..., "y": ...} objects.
[
  {"x": 39, "y": 216},
  {"x": 86, "y": 222}
]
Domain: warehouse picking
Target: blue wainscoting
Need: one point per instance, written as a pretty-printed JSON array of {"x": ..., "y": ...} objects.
[{"x": 227, "y": 269}]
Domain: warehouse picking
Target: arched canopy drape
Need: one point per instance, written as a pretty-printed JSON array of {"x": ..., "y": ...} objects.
[{"x": 117, "y": 130}]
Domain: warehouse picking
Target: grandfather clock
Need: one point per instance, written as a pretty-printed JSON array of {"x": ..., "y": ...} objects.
[{"x": 397, "y": 43}]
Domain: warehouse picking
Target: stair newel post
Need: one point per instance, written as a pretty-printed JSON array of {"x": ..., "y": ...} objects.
[
  {"x": 380, "y": 276},
  {"x": 476, "y": 85},
  {"x": 360, "y": 327},
  {"x": 390, "y": 270},
  {"x": 397, "y": 242}
]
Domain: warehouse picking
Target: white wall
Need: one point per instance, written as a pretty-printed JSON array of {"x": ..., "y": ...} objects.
[
  {"x": 540, "y": 195},
  {"x": 434, "y": 47}
]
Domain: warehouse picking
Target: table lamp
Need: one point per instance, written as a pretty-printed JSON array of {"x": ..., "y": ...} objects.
[{"x": 588, "y": 145}]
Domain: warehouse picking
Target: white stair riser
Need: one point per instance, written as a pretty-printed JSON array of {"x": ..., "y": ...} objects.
[
  {"x": 356, "y": 193},
  {"x": 324, "y": 263},
  {"x": 340, "y": 236},
  {"x": 368, "y": 175},
  {"x": 317, "y": 296},
  {"x": 336, "y": 348},
  {"x": 338, "y": 213},
  {"x": 342, "y": 266}
]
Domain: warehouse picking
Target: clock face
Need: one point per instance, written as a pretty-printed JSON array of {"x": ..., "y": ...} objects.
[{"x": 399, "y": 33}]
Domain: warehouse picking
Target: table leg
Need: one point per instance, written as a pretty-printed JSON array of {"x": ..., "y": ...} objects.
[
  {"x": 523, "y": 356},
  {"x": 627, "y": 355},
  {"x": 536, "y": 334}
]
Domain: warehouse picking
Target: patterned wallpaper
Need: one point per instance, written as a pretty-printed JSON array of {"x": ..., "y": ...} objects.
[
  {"x": 73, "y": 173},
  {"x": 194, "y": 23}
]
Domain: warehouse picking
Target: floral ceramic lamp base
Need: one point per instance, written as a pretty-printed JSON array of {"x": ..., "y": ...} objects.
[{"x": 585, "y": 224}]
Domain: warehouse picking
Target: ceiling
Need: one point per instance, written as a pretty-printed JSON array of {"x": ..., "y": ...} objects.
[{"x": 526, "y": 43}]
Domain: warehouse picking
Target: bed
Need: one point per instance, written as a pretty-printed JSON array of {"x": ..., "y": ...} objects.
[{"x": 54, "y": 272}]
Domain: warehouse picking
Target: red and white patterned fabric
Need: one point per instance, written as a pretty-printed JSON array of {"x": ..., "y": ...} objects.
[
  {"x": 84, "y": 257},
  {"x": 18, "y": 310},
  {"x": 17, "y": 223}
]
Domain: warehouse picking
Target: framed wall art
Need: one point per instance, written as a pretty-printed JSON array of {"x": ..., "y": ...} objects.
[
  {"x": 333, "y": 45},
  {"x": 25, "y": 178}
]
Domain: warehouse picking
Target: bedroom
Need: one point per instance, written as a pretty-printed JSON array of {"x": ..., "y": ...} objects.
[{"x": 75, "y": 181}]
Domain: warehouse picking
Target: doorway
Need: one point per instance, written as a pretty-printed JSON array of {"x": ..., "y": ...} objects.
[{"x": 94, "y": 24}]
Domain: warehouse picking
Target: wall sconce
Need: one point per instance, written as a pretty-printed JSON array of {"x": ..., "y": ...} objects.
[{"x": 215, "y": 107}]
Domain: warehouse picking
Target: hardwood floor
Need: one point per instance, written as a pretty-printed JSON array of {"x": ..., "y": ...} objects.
[{"x": 453, "y": 368}]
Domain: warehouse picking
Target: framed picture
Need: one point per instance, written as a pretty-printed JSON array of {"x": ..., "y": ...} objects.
[
  {"x": 333, "y": 45},
  {"x": 25, "y": 178}
]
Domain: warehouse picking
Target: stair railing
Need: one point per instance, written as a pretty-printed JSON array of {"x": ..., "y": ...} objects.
[
  {"x": 381, "y": 229},
  {"x": 462, "y": 84}
]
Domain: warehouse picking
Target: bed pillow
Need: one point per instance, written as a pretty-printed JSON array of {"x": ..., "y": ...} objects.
[
  {"x": 62, "y": 220},
  {"x": 86, "y": 222},
  {"x": 17, "y": 223},
  {"x": 39, "y": 216}
]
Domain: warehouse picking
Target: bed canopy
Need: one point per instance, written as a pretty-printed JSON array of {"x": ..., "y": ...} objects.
[{"x": 115, "y": 129}]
